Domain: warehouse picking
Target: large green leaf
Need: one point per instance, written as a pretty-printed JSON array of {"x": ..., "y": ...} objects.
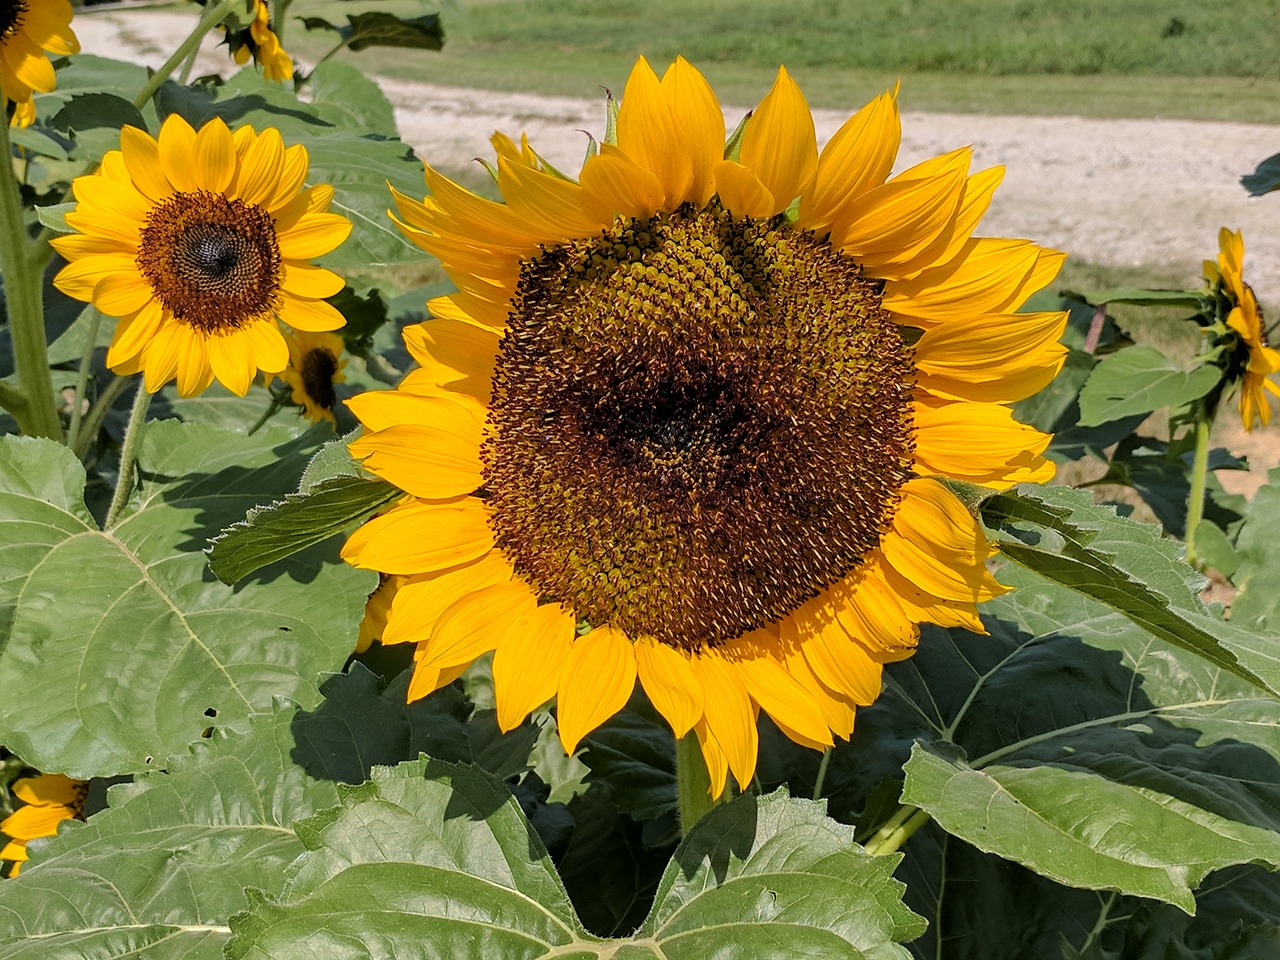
[
  {"x": 1265, "y": 178},
  {"x": 1061, "y": 534},
  {"x": 1137, "y": 380},
  {"x": 432, "y": 859},
  {"x": 121, "y": 642},
  {"x": 1258, "y": 574}
]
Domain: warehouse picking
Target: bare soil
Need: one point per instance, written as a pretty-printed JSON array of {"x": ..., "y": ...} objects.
[{"x": 1116, "y": 192}]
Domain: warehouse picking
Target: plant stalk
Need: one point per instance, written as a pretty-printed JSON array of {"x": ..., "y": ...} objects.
[
  {"x": 896, "y": 831},
  {"x": 693, "y": 783},
  {"x": 820, "y": 780},
  {"x": 1199, "y": 477},
  {"x": 97, "y": 413},
  {"x": 82, "y": 379},
  {"x": 128, "y": 452},
  {"x": 24, "y": 297},
  {"x": 208, "y": 20}
]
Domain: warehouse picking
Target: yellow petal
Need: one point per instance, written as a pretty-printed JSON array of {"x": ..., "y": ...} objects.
[
  {"x": 528, "y": 662},
  {"x": 194, "y": 370},
  {"x": 779, "y": 145},
  {"x": 232, "y": 363},
  {"x": 160, "y": 357},
  {"x": 843, "y": 665},
  {"x": 141, "y": 156},
  {"x": 741, "y": 191},
  {"x": 613, "y": 183},
  {"x": 857, "y": 158},
  {"x": 475, "y": 623},
  {"x": 304, "y": 280},
  {"x": 873, "y": 616},
  {"x": 177, "y": 153},
  {"x": 437, "y": 459},
  {"x": 418, "y": 537},
  {"x": 380, "y": 409},
  {"x": 995, "y": 358},
  {"x": 215, "y": 157},
  {"x": 259, "y": 171},
  {"x": 133, "y": 333},
  {"x": 758, "y": 663},
  {"x": 647, "y": 133},
  {"x": 314, "y": 316},
  {"x": 936, "y": 543},
  {"x": 421, "y": 599},
  {"x": 980, "y": 443},
  {"x": 313, "y": 235},
  {"x": 837, "y": 710},
  {"x": 699, "y": 123},
  {"x": 729, "y": 714},
  {"x": 598, "y": 677},
  {"x": 551, "y": 206},
  {"x": 986, "y": 275},
  {"x": 122, "y": 293},
  {"x": 671, "y": 684},
  {"x": 453, "y": 354},
  {"x": 80, "y": 279},
  {"x": 713, "y": 755}
]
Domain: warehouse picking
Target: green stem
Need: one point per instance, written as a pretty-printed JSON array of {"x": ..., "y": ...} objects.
[
  {"x": 1199, "y": 476},
  {"x": 820, "y": 780},
  {"x": 693, "y": 783},
  {"x": 211, "y": 16},
  {"x": 12, "y": 399},
  {"x": 82, "y": 380},
  {"x": 303, "y": 80},
  {"x": 896, "y": 830},
  {"x": 24, "y": 298},
  {"x": 97, "y": 413},
  {"x": 132, "y": 434}
]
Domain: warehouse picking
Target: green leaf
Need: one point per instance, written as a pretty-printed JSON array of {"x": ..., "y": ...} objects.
[
  {"x": 272, "y": 533},
  {"x": 378, "y": 29},
  {"x": 432, "y": 853},
  {"x": 1265, "y": 178},
  {"x": 120, "y": 641},
  {"x": 1032, "y": 813},
  {"x": 1139, "y": 380},
  {"x": 1062, "y": 535},
  {"x": 1257, "y": 602},
  {"x": 634, "y": 754}
]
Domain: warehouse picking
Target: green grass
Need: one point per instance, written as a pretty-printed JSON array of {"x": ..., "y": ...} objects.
[{"x": 1105, "y": 58}]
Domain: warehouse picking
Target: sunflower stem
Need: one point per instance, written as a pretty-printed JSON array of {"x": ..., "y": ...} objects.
[
  {"x": 896, "y": 831},
  {"x": 24, "y": 299},
  {"x": 208, "y": 19},
  {"x": 693, "y": 782},
  {"x": 1199, "y": 476},
  {"x": 132, "y": 434},
  {"x": 820, "y": 780},
  {"x": 82, "y": 379},
  {"x": 97, "y": 413}
]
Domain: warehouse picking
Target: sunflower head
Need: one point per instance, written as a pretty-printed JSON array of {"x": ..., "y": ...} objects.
[
  {"x": 30, "y": 29},
  {"x": 315, "y": 366},
  {"x": 48, "y": 799},
  {"x": 684, "y": 419},
  {"x": 198, "y": 242},
  {"x": 260, "y": 42},
  {"x": 1251, "y": 361}
]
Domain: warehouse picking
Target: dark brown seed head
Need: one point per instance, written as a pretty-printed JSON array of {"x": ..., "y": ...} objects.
[
  {"x": 11, "y": 14},
  {"x": 698, "y": 423},
  {"x": 316, "y": 370},
  {"x": 213, "y": 261}
]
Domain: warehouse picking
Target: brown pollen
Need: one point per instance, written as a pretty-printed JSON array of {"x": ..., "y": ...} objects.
[{"x": 11, "y": 14}]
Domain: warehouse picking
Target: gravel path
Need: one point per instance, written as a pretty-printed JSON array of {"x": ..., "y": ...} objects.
[{"x": 1120, "y": 192}]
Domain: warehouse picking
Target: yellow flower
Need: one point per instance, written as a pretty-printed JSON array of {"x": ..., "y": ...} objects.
[
  {"x": 314, "y": 367},
  {"x": 685, "y": 420},
  {"x": 48, "y": 799},
  {"x": 376, "y": 609},
  {"x": 29, "y": 29},
  {"x": 1258, "y": 361},
  {"x": 198, "y": 242},
  {"x": 263, "y": 45}
]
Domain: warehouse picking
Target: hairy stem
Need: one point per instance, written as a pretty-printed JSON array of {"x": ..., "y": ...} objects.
[
  {"x": 82, "y": 379},
  {"x": 1199, "y": 475},
  {"x": 896, "y": 831},
  {"x": 820, "y": 780},
  {"x": 132, "y": 434},
  {"x": 211, "y": 16},
  {"x": 97, "y": 413}
]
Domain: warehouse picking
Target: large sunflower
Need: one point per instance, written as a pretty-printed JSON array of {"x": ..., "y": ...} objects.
[
  {"x": 687, "y": 418},
  {"x": 198, "y": 242},
  {"x": 48, "y": 799},
  {"x": 1256, "y": 360},
  {"x": 28, "y": 30}
]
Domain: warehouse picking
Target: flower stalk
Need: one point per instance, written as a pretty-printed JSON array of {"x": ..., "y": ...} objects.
[
  {"x": 128, "y": 452},
  {"x": 693, "y": 783},
  {"x": 208, "y": 20},
  {"x": 895, "y": 831},
  {"x": 1199, "y": 476}
]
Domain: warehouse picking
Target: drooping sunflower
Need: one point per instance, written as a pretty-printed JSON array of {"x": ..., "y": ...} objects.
[
  {"x": 261, "y": 43},
  {"x": 315, "y": 366},
  {"x": 28, "y": 30},
  {"x": 48, "y": 799},
  {"x": 1256, "y": 360},
  {"x": 198, "y": 242},
  {"x": 688, "y": 419}
]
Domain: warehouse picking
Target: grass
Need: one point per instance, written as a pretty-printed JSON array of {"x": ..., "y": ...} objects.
[{"x": 1102, "y": 58}]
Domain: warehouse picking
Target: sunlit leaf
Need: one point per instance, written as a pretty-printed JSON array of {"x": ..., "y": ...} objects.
[
  {"x": 1139, "y": 380},
  {"x": 1257, "y": 603}
]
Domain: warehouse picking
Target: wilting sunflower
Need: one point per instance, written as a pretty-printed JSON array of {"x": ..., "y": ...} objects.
[
  {"x": 48, "y": 799},
  {"x": 261, "y": 43},
  {"x": 29, "y": 29},
  {"x": 314, "y": 368},
  {"x": 688, "y": 418},
  {"x": 198, "y": 242},
  {"x": 1255, "y": 360}
]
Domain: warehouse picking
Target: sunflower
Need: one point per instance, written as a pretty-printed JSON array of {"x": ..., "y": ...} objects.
[
  {"x": 48, "y": 799},
  {"x": 1255, "y": 359},
  {"x": 688, "y": 419},
  {"x": 314, "y": 367},
  {"x": 198, "y": 242},
  {"x": 261, "y": 42},
  {"x": 29, "y": 29}
]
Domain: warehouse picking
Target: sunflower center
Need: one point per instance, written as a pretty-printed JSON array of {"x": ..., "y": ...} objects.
[
  {"x": 317, "y": 370},
  {"x": 698, "y": 423},
  {"x": 11, "y": 14},
  {"x": 213, "y": 261}
]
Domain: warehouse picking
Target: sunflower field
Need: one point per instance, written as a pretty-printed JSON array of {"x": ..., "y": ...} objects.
[{"x": 685, "y": 555}]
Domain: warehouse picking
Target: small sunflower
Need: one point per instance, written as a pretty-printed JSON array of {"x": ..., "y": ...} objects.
[
  {"x": 314, "y": 367},
  {"x": 686, "y": 419},
  {"x": 1256, "y": 360},
  {"x": 198, "y": 242},
  {"x": 28, "y": 30},
  {"x": 261, "y": 42},
  {"x": 48, "y": 799}
]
